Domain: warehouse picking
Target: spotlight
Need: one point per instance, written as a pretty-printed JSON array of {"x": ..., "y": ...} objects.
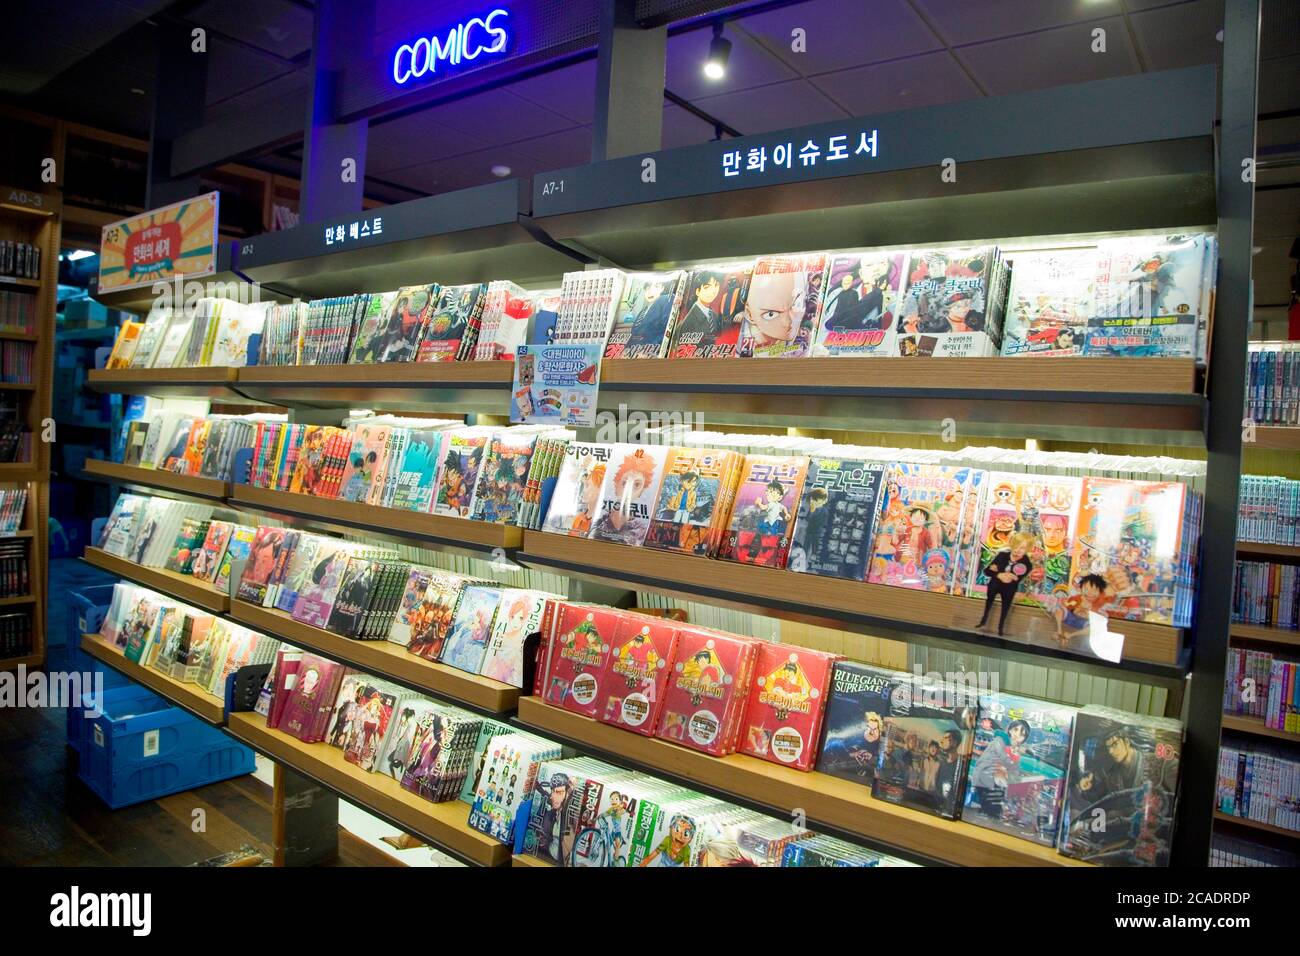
[{"x": 715, "y": 67}]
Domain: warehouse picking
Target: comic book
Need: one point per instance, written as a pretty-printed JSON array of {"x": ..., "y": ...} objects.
[
  {"x": 427, "y": 623},
  {"x": 373, "y": 710},
  {"x": 441, "y": 752},
  {"x": 471, "y": 627},
  {"x": 262, "y": 558},
  {"x": 1042, "y": 506},
  {"x": 950, "y": 306},
  {"x": 643, "y": 317},
  {"x": 861, "y": 301},
  {"x": 577, "y": 655},
  {"x": 457, "y": 314},
  {"x": 502, "y": 477},
  {"x": 786, "y": 699},
  {"x": 783, "y": 306},
  {"x": 506, "y": 784},
  {"x": 762, "y": 517},
  {"x": 342, "y": 723},
  {"x": 365, "y": 460},
  {"x": 712, "y": 309},
  {"x": 636, "y": 672},
  {"x": 352, "y": 597},
  {"x": 238, "y": 549},
  {"x": 404, "y": 326},
  {"x": 372, "y": 332},
  {"x": 1050, "y": 302},
  {"x": 1018, "y": 763},
  {"x": 707, "y": 690},
  {"x": 837, "y": 515},
  {"x": 311, "y": 701},
  {"x": 308, "y": 470},
  {"x": 461, "y": 457},
  {"x": 417, "y": 476},
  {"x": 925, "y": 747},
  {"x": 410, "y": 722},
  {"x": 575, "y": 502},
  {"x": 520, "y": 614},
  {"x": 1122, "y": 788},
  {"x": 628, "y": 493},
  {"x": 918, "y": 528},
  {"x": 316, "y": 599},
  {"x": 298, "y": 572},
  {"x": 694, "y": 500},
  {"x": 861, "y": 697},
  {"x": 189, "y": 540}
]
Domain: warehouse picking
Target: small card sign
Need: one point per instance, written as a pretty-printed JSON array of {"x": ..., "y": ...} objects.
[{"x": 556, "y": 384}]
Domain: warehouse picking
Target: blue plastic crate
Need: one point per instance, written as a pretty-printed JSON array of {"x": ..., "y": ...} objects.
[
  {"x": 89, "y": 606},
  {"x": 83, "y": 663},
  {"x": 141, "y": 749}
]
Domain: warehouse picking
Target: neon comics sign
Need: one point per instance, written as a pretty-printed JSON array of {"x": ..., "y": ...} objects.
[{"x": 462, "y": 43}]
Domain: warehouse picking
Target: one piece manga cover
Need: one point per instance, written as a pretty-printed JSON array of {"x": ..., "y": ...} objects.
[
  {"x": 837, "y": 514},
  {"x": 1122, "y": 789},
  {"x": 643, "y": 317},
  {"x": 1050, "y": 302},
  {"x": 693, "y": 500},
  {"x": 861, "y": 697},
  {"x": 862, "y": 294},
  {"x": 1043, "y": 506},
  {"x": 636, "y": 670},
  {"x": 520, "y": 614},
  {"x": 946, "y": 309},
  {"x": 786, "y": 700},
  {"x": 918, "y": 530},
  {"x": 762, "y": 517},
  {"x": 578, "y": 651},
  {"x": 628, "y": 494},
  {"x": 467, "y": 641},
  {"x": 458, "y": 309},
  {"x": 502, "y": 478},
  {"x": 1148, "y": 296},
  {"x": 783, "y": 306},
  {"x": 1018, "y": 763},
  {"x": 925, "y": 748},
  {"x": 575, "y": 502},
  {"x": 707, "y": 690},
  {"x": 712, "y": 308},
  {"x": 461, "y": 457}
]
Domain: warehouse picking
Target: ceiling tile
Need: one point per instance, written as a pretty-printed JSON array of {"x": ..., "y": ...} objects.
[
  {"x": 276, "y": 26},
  {"x": 780, "y": 106},
  {"x": 1279, "y": 84},
  {"x": 1050, "y": 58},
  {"x": 842, "y": 33},
  {"x": 683, "y": 128},
  {"x": 749, "y": 65},
  {"x": 1184, "y": 35},
  {"x": 292, "y": 85},
  {"x": 925, "y": 80},
  {"x": 233, "y": 70},
  {"x": 569, "y": 91},
  {"x": 962, "y": 21},
  {"x": 416, "y": 138},
  {"x": 498, "y": 116},
  {"x": 558, "y": 150},
  {"x": 462, "y": 172}
]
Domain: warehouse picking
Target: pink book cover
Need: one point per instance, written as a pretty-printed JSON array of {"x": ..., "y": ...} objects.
[
  {"x": 636, "y": 672},
  {"x": 786, "y": 699},
  {"x": 578, "y": 652}
]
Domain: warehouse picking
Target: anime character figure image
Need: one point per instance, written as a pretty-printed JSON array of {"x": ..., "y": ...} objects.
[
  {"x": 774, "y": 309},
  {"x": 704, "y": 665},
  {"x": 788, "y": 687},
  {"x": 638, "y": 659},
  {"x": 998, "y": 768},
  {"x": 651, "y": 322},
  {"x": 935, "y": 563},
  {"x": 423, "y": 760},
  {"x": 456, "y": 490},
  {"x": 675, "y": 848},
  {"x": 1072, "y": 613},
  {"x": 403, "y": 739},
  {"x": 621, "y": 522},
  {"x": 343, "y": 717},
  {"x": 553, "y": 841},
  {"x": 863, "y": 752},
  {"x": 611, "y": 824},
  {"x": 858, "y": 302},
  {"x": 700, "y": 319},
  {"x": 763, "y": 526},
  {"x": 1005, "y": 573}
]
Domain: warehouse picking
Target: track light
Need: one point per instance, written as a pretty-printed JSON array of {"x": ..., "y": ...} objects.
[{"x": 715, "y": 67}]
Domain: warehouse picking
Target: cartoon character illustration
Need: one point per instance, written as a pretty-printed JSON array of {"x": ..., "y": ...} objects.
[
  {"x": 675, "y": 848},
  {"x": 620, "y": 522},
  {"x": 763, "y": 525},
  {"x": 651, "y": 319},
  {"x": 1005, "y": 573}
]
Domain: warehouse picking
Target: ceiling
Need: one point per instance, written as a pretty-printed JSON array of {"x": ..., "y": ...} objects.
[{"x": 861, "y": 58}]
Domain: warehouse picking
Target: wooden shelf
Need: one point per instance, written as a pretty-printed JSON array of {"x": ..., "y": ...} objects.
[
  {"x": 202, "y": 382},
  {"x": 1256, "y": 728},
  {"x": 459, "y": 387},
  {"x": 767, "y": 590},
  {"x": 20, "y": 471},
  {"x": 180, "y": 586},
  {"x": 9, "y": 336},
  {"x": 19, "y": 599},
  {"x": 28, "y": 660},
  {"x": 156, "y": 478},
  {"x": 19, "y": 281},
  {"x": 1265, "y": 635},
  {"x": 190, "y": 696},
  {"x": 521, "y": 859},
  {"x": 829, "y": 801},
  {"x": 461, "y": 532},
  {"x": 443, "y": 824},
  {"x": 1254, "y": 549},
  {"x": 384, "y": 659},
  {"x": 1275, "y": 438},
  {"x": 1256, "y": 825}
]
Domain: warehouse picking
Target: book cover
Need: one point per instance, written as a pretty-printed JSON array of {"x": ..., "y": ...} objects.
[
  {"x": 471, "y": 627},
  {"x": 579, "y": 648},
  {"x": 861, "y": 697},
  {"x": 410, "y": 723},
  {"x": 925, "y": 749},
  {"x": 374, "y": 329},
  {"x": 352, "y": 597},
  {"x": 238, "y": 548},
  {"x": 372, "y": 713},
  {"x": 313, "y": 693},
  {"x": 691, "y": 507},
  {"x": 458, "y": 308},
  {"x": 400, "y": 338},
  {"x": 262, "y": 558},
  {"x": 946, "y": 309},
  {"x": 837, "y": 515},
  {"x": 643, "y": 316},
  {"x": 575, "y": 501},
  {"x": 783, "y": 306},
  {"x": 762, "y": 516},
  {"x": 918, "y": 530},
  {"x": 297, "y": 572},
  {"x": 502, "y": 478},
  {"x": 520, "y": 614},
  {"x": 426, "y": 624},
  {"x": 1042, "y": 506},
  {"x": 185, "y": 548},
  {"x": 1148, "y": 296},
  {"x": 316, "y": 599},
  {"x": 707, "y": 690},
  {"x": 460, "y": 469},
  {"x": 417, "y": 478},
  {"x": 636, "y": 672},
  {"x": 369, "y": 446},
  {"x": 628, "y": 494},
  {"x": 862, "y": 295},
  {"x": 786, "y": 700},
  {"x": 712, "y": 308},
  {"x": 1050, "y": 302}
]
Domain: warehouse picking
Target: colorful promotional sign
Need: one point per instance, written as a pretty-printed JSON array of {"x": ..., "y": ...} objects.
[
  {"x": 461, "y": 43},
  {"x": 556, "y": 384},
  {"x": 159, "y": 245}
]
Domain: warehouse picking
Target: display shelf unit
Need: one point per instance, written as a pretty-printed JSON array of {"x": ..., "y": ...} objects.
[
  {"x": 197, "y": 701},
  {"x": 1256, "y": 825},
  {"x": 1277, "y": 438},
  {"x": 384, "y": 659},
  {"x": 804, "y": 596},
  {"x": 460, "y": 387},
  {"x": 1254, "y": 726},
  {"x": 443, "y": 824},
  {"x": 156, "y": 478},
  {"x": 457, "y": 532},
  {"x": 217, "y": 384},
  {"x": 34, "y": 218},
  {"x": 521, "y": 859},
  {"x": 830, "y": 803},
  {"x": 183, "y": 587},
  {"x": 1256, "y": 550},
  {"x": 1265, "y": 635}
]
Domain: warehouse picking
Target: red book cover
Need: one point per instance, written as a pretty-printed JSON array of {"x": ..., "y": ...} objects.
[
  {"x": 310, "y": 692},
  {"x": 578, "y": 651},
  {"x": 705, "y": 691},
  {"x": 636, "y": 672},
  {"x": 786, "y": 699},
  {"x": 286, "y": 677}
]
